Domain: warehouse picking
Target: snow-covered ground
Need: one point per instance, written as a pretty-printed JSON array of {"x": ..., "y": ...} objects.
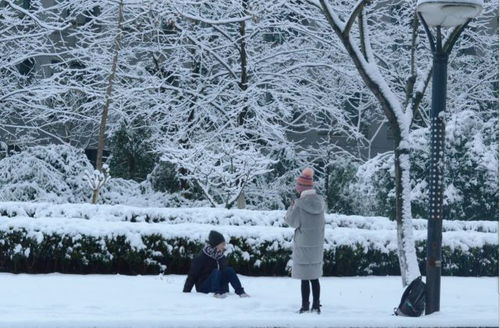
[{"x": 69, "y": 301}]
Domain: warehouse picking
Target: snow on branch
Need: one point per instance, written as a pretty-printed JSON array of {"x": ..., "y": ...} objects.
[
  {"x": 335, "y": 22},
  {"x": 38, "y": 21},
  {"x": 214, "y": 22},
  {"x": 358, "y": 9}
]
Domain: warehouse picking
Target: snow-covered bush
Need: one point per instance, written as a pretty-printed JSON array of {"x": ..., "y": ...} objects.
[
  {"x": 471, "y": 190},
  {"x": 85, "y": 238},
  {"x": 215, "y": 216},
  {"x": 471, "y": 168},
  {"x": 59, "y": 174},
  {"x": 83, "y": 246},
  {"x": 96, "y": 180},
  {"x": 132, "y": 154},
  {"x": 372, "y": 189},
  {"x": 122, "y": 191},
  {"x": 163, "y": 178},
  {"x": 471, "y": 173},
  {"x": 340, "y": 176},
  {"x": 45, "y": 173}
]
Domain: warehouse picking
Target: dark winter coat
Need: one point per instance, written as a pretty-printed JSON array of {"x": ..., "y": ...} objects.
[
  {"x": 307, "y": 216},
  {"x": 201, "y": 267}
]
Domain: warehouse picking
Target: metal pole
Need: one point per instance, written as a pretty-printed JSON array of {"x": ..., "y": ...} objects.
[
  {"x": 435, "y": 178},
  {"x": 435, "y": 174}
]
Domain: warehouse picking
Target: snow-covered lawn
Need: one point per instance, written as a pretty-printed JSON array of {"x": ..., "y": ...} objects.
[{"x": 68, "y": 301}]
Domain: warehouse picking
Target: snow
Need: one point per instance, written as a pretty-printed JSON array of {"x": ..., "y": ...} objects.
[
  {"x": 215, "y": 216},
  {"x": 97, "y": 178},
  {"x": 256, "y": 227},
  {"x": 475, "y": 2},
  {"x": 435, "y": 13},
  {"x": 406, "y": 235},
  {"x": 69, "y": 301},
  {"x": 215, "y": 22},
  {"x": 383, "y": 240}
]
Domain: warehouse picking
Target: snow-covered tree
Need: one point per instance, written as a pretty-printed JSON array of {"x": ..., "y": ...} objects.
[
  {"x": 28, "y": 35},
  {"x": 243, "y": 81},
  {"x": 101, "y": 76},
  {"x": 238, "y": 94},
  {"x": 97, "y": 179},
  {"x": 382, "y": 40}
]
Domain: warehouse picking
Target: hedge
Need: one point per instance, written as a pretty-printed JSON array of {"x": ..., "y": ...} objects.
[
  {"x": 214, "y": 216},
  {"x": 23, "y": 250},
  {"x": 83, "y": 238}
]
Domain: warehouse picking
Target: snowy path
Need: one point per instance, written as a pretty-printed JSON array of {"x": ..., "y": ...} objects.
[{"x": 57, "y": 300}]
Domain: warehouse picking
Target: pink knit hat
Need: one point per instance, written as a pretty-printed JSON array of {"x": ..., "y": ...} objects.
[{"x": 305, "y": 180}]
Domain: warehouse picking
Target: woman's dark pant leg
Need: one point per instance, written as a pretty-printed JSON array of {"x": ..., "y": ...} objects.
[
  {"x": 230, "y": 276},
  {"x": 315, "y": 292},
  {"x": 213, "y": 283},
  {"x": 305, "y": 291}
]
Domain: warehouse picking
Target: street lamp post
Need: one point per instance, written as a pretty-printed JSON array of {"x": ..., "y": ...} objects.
[{"x": 440, "y": 14}]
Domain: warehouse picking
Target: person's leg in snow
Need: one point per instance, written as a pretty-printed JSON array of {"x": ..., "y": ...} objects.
[
  {"x": 218, "y": 283},
  {"x": 230, "y": 276},
  {"x": 212, "y": 284},
  {"x": 305, "y": 291},
  {"x": 316, "y": 292}
]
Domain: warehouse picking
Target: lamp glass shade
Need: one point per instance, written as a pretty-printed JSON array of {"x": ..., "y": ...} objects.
[{"x": 448, "y": 13}]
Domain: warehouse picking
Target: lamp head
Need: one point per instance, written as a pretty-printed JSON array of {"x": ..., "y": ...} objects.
[{"x": 449, "y": 13}]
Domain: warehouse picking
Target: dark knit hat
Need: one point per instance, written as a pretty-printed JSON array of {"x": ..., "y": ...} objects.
[
  {"x": 215, "y": 238},
  {"x": 305, "y": 180}
]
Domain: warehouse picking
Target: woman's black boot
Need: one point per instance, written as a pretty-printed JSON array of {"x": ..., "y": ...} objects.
[
  {"x": 316, "y": 308},
  {"x": 304, "y": 308}
]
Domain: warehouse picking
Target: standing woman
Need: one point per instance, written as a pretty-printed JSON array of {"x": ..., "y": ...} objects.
[{"x": 307, "y": 216}]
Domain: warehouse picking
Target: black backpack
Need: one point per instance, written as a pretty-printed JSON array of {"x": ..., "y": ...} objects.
[{"x": 413, "y": 300}]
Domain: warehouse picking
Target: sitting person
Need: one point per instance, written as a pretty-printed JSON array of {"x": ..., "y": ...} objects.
[{"x": 209, "y": 271}]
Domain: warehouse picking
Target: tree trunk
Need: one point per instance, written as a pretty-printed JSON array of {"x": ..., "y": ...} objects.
[
  {"x": 328, "y": 170},
  {"x": 407, "y": 255},
  {"x": 107, "y": 99},
  {"x": 360, "y": 57},
  {"x": 241, "y": 202},
  {"x": 243, "y": 84},
  {"x": 109, "y": 90},
  {"x": 95, "y": 194}
]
